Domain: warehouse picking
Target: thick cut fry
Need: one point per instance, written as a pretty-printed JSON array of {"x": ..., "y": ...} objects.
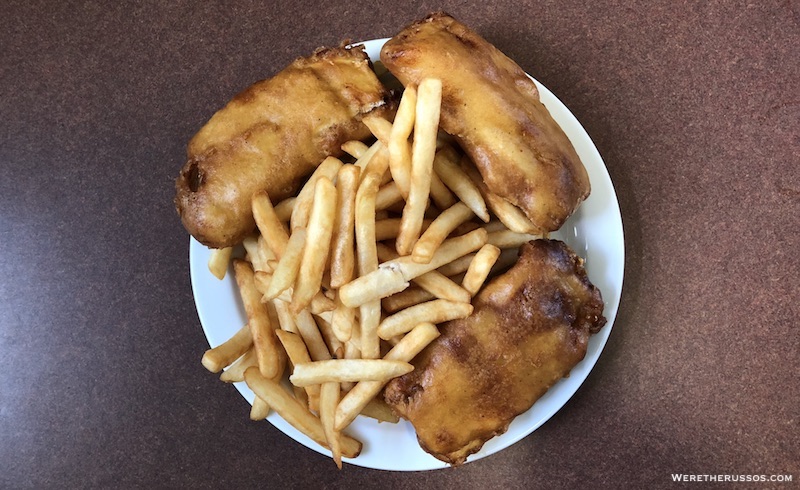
[
  {"x": 218, "y": 261},
  {"x": 378, "y": 165},
  {"x": 342, "y": 248},
  {"x": 284, "y": 209},
  {"x": 328, "y": 400},
  {"x": 341, "y": 370},
  {"x": 446, "y": 166},
  {"x": 510, "y": 239},
  {"x": 480, "y": 267},
  {"x": 354, "y": 402},
  {"x": 399, "y": 146},
  {"x": 235, "y": 372},
  {"x": 305, "y": 198},
  {"x": 318, "y": 242},
  {"x": 289, "y": 265},
  {"x": 436, "y": 311},
  {"x": 270, "y": 356},
  {"x": 380, "y": 411},
  {"x": 429, "y": 96},
  {"x": 269, "y": 224},
  {"x": 285, "y": 316},
  {"x": 295, "y": 413},
  {"x": 393, "y": 276},
  {"x": 223, "y": 355},
  {"x": 438, "y": 231}
]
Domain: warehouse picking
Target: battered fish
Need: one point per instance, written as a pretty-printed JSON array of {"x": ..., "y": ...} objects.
[
  {"x": 530, "y": 327},
  {"x": 271, "y": 136},
  {"x": 493, "y": 110}
]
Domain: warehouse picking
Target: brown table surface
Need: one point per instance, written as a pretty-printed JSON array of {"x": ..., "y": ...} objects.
[{"x": 693, "y": 106}]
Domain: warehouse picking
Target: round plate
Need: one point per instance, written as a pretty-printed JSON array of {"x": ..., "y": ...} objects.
[{"x": 594, "y": 232}]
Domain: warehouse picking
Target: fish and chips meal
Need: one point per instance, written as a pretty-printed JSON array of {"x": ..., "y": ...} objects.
[{"x": 390, "y": 245}]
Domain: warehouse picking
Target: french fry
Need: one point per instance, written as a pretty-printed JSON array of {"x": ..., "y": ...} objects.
[
  {"x": 440, "y": 194},
  {"x": 439, "y": 285},
  {"x": 435, "y": 311},
  {"x": 295, "y": 413},
  {"x": 269, "y": 224},
  {"x": 328, "y": 400},
  {"x": 356, "y": 399},
  {"x": 438, "y": 231},
  {"x": 379, "y": 126},
  {"x": 317, "y": 247},
  {"x": 355, "y": 148},
  {"x": 378, "y": 165},
  {"x": 342, "y": 248},
  {"x": 480, "y": 267},
  {"x": 335, "y": 346},
  {"x": 370, "y": 312},
  {"x": 380, "y": 411},
  {"x": 297, "y": 352},
  {"x": 286, "y": 318},
  {"x": 363, "y": 161},
  {"x": 342, "y": 321},
  {"x": 457, "y": 266},
  {"x": 399, "y": 146},
  {"x": 387, "y": 196},
  {"x": 341, "y": 370},
  {"x": 393, "y": 276},
  {"x": 305, "y": 198},
  {"x": 446, "y": 166},
  {"x": 218, "y": 261},
  {"x": 510, "y": 239},
  {"x": 270, "y": 356},
  {"x": 284, "y": 209},
  {"x": 259, "y": 410},
  {"x": 309, "y": 331},
  {"x": 223, "y": 355},
  {"x": 410, "y": 297},
  {"x": 429, "y": 95},
  {"x": 235, "y": 372},
  {"x": 254, "y": 253},
  {"x": 289, "y": 264}
]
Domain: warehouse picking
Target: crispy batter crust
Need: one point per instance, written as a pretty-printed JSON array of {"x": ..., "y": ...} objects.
[
  {"x": 492, "y": 108},
  {"x": 271, "y": 136},
  {"x": 530, "y": 327}
]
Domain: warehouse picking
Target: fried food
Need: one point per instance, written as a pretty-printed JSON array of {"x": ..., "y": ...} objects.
[
  {"x": 530, "y": 327},
  {"x": 493, "y": 110},
  {"x": 272, "y": 135}
]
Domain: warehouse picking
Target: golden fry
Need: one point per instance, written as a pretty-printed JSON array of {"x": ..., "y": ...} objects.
[
  {"x": 438, "y": 231},
  {"x": 342, "y": 248},
  {"x": 318, "y": 242},
  {"x": 269, "y": 224},
  {"x": 446, "y": 166},
  {"x": 288, "y": 267},
  {"x": 436, "y": 311},
  {"x": 341, "y": 370},
  {"x": 223, "y": 355},
  {"x": 219, "y": 260},
  {"x": 480, "y": 267}
]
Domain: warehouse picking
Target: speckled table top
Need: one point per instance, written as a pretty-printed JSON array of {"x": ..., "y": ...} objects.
[{"x": 693, "y": 106}]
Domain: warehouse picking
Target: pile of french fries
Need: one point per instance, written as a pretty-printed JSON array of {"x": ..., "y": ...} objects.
[{"x": 348, "y": 279}]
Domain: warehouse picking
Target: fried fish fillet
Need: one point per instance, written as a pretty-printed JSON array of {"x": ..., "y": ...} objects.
[
  {"x": 271, "y": 136},
  {"x": 493, "y": 110},
  {"x": 530, "y": 327}
]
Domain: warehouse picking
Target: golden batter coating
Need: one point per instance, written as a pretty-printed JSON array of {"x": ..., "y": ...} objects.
[
  {"x": 271, "y": 136},
  {"x": 493, "y": 110},
  {"x": 530, "y": 327}
]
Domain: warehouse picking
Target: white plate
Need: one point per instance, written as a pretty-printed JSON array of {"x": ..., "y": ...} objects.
[{"x": 594, "y": 232}]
